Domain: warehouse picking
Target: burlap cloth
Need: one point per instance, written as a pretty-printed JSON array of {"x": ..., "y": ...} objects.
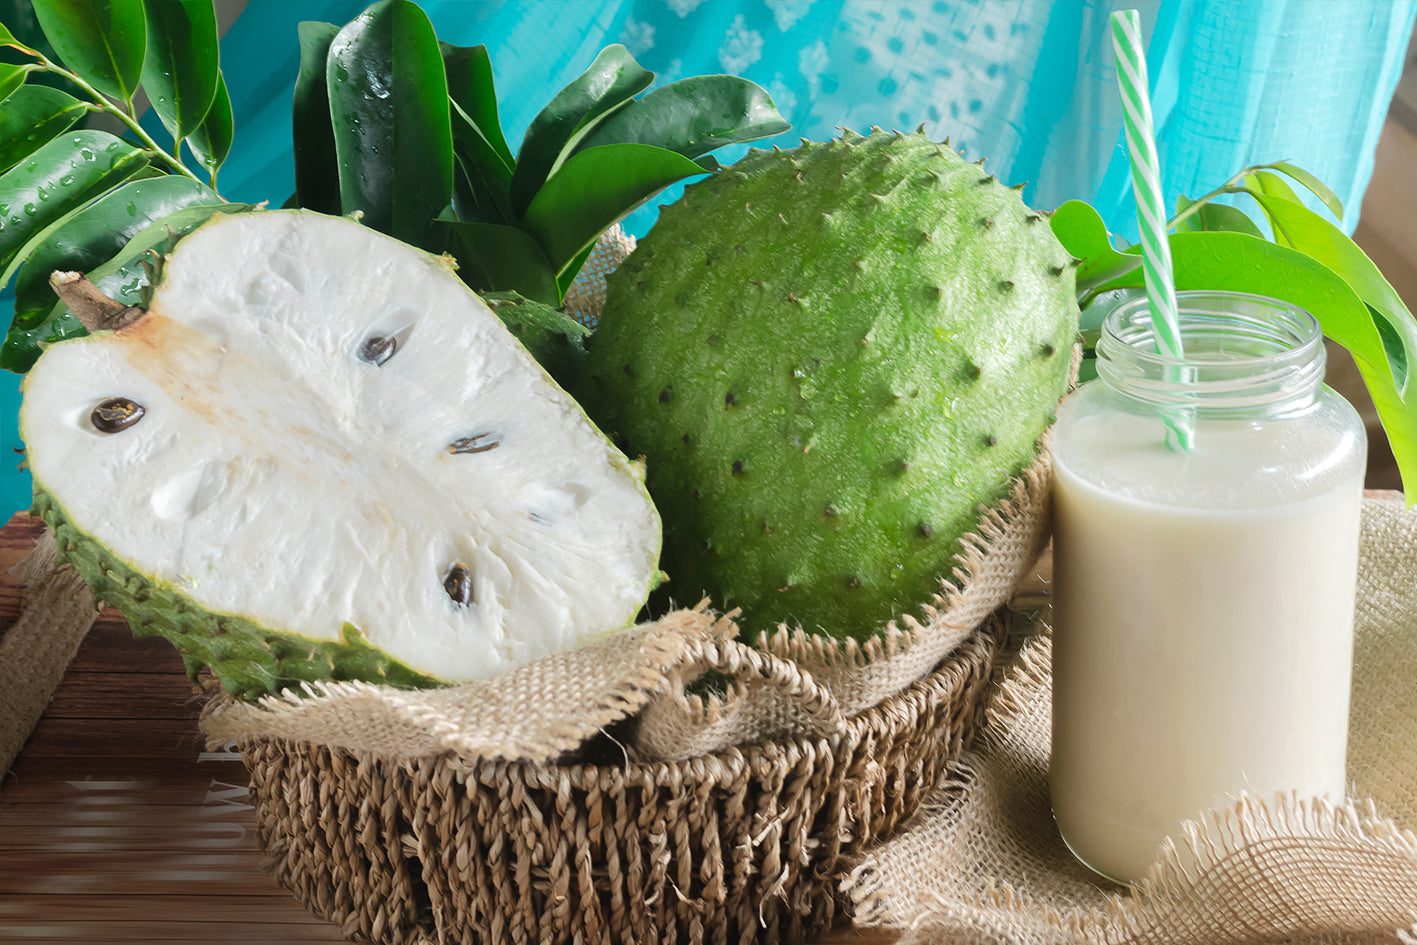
[
  {"x": 984, "y": 862},
  {"x": 34, "y": 652}
]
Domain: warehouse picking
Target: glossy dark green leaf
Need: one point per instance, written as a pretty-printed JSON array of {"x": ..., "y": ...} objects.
[
  {"x": 211, "y": 142},
  {"x": 470, "y": 86},
  {"x": 1211, "y": 216},
  {"x": 12, "y": 78},
  {"x": 32, "y": 116},
  {"x": 568, "y": 272},
  {"x": 613, "y": 79},
  {"x": 122, "y": 278},
  {"x": 57, "y": 178},
  {"x": 483, "y": 189},
  {"x": 316, "y": 166},
  {"x": 27, "y": 40},
  {"x": 22, "y": 346},
  {"x": 180, "y": 71},
  {"x": 99, "y": 231},
  {"x": 694, "y": 116},
  {"x": 101, "y": 40},
  {"x": 389, "y": 110},
  {"x": 496, "y": 258},
  {"x": 596, "y": 188}
]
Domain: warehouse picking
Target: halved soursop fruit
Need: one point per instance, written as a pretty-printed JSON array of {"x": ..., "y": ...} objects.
[
  {"x": 319, "y": 455},
  {"x": 830, "y": 357}
]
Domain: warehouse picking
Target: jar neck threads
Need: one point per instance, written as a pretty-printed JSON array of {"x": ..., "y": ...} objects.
[{"x": 1242, "y": 352}]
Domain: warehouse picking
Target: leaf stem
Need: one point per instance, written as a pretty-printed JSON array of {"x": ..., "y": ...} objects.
[
  {"x": 1198, "y": 205},
  {"x": 101, "y": 103}
]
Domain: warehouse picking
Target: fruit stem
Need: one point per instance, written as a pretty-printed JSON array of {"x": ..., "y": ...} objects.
[{"x": 94, "y": 310}]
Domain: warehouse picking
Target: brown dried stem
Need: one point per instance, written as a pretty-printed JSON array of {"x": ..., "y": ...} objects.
[{"x": 94, "y": 310}]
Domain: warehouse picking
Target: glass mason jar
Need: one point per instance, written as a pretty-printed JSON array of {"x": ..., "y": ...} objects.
[{"x": 1203, "y": 600}]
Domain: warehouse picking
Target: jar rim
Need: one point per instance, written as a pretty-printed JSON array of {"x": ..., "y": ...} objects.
[
  {"x": 1240, "y": 351},
  {"x": 1307, "y": 335}
]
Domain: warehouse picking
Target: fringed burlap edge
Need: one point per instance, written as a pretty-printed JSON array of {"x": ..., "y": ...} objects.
[
  {"x": 993, "y": 558},
  {"x": 34, "y": 653},
  {"x": 1332, "y": 872}
]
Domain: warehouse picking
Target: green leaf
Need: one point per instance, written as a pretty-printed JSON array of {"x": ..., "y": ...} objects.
[
  {"x": 471, "y": 88},
  {"x": 1317, "y": 187},
  {"x": 612, "y": 80},
  {"x": 316, "y": 166},
  {"x": 32, "y": 116},
  {"x": 1083, "y": 234},
  {"x": 1300, "y": 228},
  {"x": 389, "y": 110},
  {"x": 1238, "y": 262},
  {"x": 57, "y": 178},
  {"x": 1264, "y": 182},
  {"x": 98, "y": 231},
  {"x": 498, "y": 258},
  {"x": 6, "y": 37},
  {"x": 1215, "y": 216},
  {"x": 12, "y": 78},
  {"x": 596, "y": 188},
  {"x": 180, "y": 71},
  {"x": 482, "y": 189},
  {"x": 568, "y": 272},
  {"x": 211, "y": 141},
  {"x": 101, "y": 40},
  {"x": 122, "y": 278},
  {"x": 693, "y": 117},
  {"x": 22, "y": 346},
  {"x": 475, "y": 198},
  {"x": 1394, "y": 346}
]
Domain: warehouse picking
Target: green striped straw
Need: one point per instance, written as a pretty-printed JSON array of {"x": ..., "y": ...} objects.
[{"x": 1151, "y": 210}]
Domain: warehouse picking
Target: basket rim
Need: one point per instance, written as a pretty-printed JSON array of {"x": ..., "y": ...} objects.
[{"x": 949, "y": 679}]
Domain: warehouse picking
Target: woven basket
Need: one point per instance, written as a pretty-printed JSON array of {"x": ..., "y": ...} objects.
[{"x": 742, "y": 845}]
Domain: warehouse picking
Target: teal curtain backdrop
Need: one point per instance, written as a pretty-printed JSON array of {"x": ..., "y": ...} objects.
[{"x": 1027, "y": 84}]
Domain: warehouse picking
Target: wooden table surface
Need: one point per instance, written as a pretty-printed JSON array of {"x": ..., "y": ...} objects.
[{"x": 117, "y": 826}]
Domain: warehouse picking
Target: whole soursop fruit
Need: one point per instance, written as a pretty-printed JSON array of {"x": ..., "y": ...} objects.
[
  {"x": 829, "y": 358},
  {"x": 319, "y": 455}
]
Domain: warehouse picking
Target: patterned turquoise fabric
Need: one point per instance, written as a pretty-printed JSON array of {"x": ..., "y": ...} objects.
[{"x": 1027, "y": 84}]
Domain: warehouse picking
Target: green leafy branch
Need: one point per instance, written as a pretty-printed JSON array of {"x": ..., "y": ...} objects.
[
  {"x": 1309, "y": 262},
  {"x": 80, "y": 199},
  {"x": 403, "y": 128}
]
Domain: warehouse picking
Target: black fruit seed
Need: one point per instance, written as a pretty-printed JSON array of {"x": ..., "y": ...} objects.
[
  {"x": 116, "y": 414},
  {"x": 458, "y": 584},
  {"x": 378, "y": 349},
  {"x": 477, "y": 443}
]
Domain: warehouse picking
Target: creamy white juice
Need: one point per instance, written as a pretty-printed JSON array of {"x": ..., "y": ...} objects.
[{"x": 1203, "y": 613}]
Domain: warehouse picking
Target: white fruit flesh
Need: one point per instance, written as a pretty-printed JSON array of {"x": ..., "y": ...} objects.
[{"x": 280, "y": 476}]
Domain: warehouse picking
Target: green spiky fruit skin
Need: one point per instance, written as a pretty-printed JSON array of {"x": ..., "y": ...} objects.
[
  {"x": 556, "y": 340},
  {"x": 250, "y": 661},
  {"x": 829, "y": 358}
]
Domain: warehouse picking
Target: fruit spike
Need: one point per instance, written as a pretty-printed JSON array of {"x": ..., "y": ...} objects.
[{"x": 951, "y": 374}]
